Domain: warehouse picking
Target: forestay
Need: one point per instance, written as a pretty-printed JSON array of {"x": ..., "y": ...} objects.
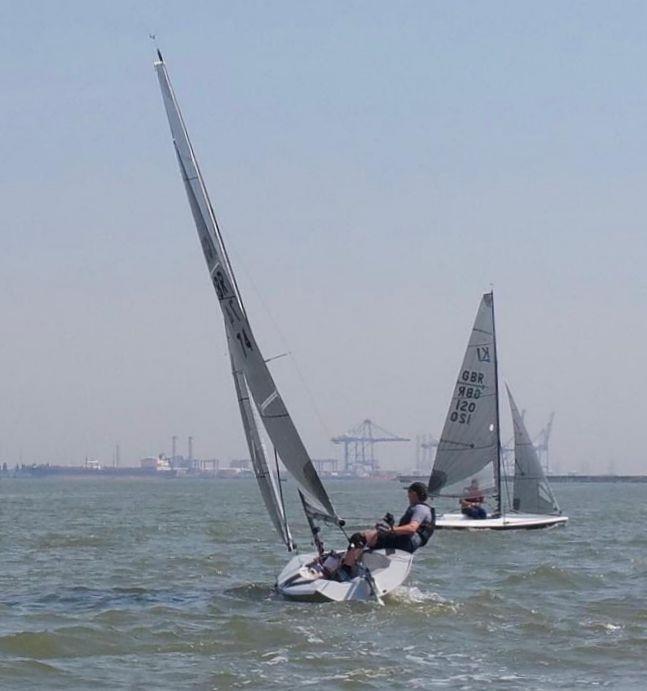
[
  {"x": 531, "y": 492},
  {"x": 246, "y": 356},
  {"x": 469, "y": 444}
]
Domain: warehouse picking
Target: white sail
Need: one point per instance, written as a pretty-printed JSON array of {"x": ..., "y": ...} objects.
[
  {"x": 264, "y": 475},
  {"x": 531, "y": 492},
  {"x": 243, "y": 347},
  {"x": 469, "y": 444}
]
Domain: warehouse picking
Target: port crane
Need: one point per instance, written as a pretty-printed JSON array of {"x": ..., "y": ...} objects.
[{"x": 359, "y": 446}]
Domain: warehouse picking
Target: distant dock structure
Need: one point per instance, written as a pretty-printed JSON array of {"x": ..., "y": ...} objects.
[{"x": 359, "y": 447}]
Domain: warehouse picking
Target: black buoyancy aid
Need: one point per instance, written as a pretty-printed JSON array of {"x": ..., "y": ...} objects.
[{"x": 426, "y": 528}]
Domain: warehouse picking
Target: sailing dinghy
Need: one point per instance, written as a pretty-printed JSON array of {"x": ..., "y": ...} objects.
[
  {"x": 470, "y": 446},
  {"x": 379, "y": 571}
]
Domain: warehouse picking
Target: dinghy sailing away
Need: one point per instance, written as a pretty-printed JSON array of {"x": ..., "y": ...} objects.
[
  {"x": 469, "y": 450},
  {"x": 303, "y": 578}
]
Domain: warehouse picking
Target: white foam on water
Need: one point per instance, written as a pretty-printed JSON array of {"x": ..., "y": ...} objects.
[
  {"x": 612, "y": 627},
  {"x": 309, "y": 635},
  {"x": 605, "y": 626},
  {"x": 413, "y": 594},
  {"x": 276, "y": 657},
  {"x": 276, "y": 660}
]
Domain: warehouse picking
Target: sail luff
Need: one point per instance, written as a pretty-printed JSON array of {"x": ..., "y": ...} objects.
[
  {"x": 249, "y": 359},
  {"x": 531, "y": 490},
  {"x": 264, "y": 476}
]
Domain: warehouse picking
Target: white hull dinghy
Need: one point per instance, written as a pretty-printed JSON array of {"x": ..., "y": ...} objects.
[
  {"x": 508, "y": 521},
  {"x": 470, "y": 447},
  {"x": 387, "y": 569},
  {"x": 262, "y": 408}
]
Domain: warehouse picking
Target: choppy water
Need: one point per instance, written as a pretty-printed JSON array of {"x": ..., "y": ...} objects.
[{"x": 168, "y": 585}]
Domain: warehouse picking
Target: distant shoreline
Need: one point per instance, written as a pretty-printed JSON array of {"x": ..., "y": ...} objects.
[
  {"x": 133, "y": 472},
  {"x": 558, "y": 478}
]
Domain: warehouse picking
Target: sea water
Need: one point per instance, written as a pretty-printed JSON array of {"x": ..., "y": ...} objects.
[{"x": 167, "y": 584}]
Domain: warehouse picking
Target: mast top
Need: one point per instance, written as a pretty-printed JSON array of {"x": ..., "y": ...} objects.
[{"x": 153, "y": 38}]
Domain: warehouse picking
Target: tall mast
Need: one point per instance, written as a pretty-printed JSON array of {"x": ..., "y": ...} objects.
[
  {"x": 247, "y": 359},
  {"x": 497, "y": 467}
]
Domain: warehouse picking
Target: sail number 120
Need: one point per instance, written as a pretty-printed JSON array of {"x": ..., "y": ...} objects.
[{"x": 463, "y": 412}]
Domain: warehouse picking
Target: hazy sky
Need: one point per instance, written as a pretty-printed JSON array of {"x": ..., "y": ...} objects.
[{"x": 375, "y": 167}]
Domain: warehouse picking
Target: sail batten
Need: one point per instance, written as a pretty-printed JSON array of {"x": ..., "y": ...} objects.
[
  {"x": 468, "y": 447},
  {"x": 244, "y": 350},
  {"x": 531, "y": 491}
]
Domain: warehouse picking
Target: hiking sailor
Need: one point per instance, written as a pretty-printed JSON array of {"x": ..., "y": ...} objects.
[{"x": 413, "y": 530}]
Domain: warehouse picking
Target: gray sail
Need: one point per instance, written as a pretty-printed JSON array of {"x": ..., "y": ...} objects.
[
  {"x": 531, "y": 492},
  {"x": 243, "y": 347},
  {"x": 264, "y": 475},
  {"x": 469, "y": 445}
]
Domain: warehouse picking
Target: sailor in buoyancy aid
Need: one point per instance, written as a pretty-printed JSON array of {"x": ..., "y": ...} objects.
[
  {"x": 472, "y": 501},
  {"x": 413, "y": 530}
]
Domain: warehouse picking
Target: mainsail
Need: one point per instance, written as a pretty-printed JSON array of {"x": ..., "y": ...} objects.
[
  {"x": 531, "y": 492},
  {"x": 246, "y": 356},
  {"x": 469, "y": 446}
]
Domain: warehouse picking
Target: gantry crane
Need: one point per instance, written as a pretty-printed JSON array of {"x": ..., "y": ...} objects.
[
  {"x": 541, "y": 443},
  {"x": 426, "y": 445},
  {"x": 359, "y": 443}
]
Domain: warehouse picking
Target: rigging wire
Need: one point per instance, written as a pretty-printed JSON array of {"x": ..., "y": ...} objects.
[{"x": 284, "y": 341}]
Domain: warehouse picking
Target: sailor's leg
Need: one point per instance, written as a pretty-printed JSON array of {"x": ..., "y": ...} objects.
[
  {"x": 371, "y": 537},
  {"x": 358, "y": 542},
  {"x": 352, "y": 556}
]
